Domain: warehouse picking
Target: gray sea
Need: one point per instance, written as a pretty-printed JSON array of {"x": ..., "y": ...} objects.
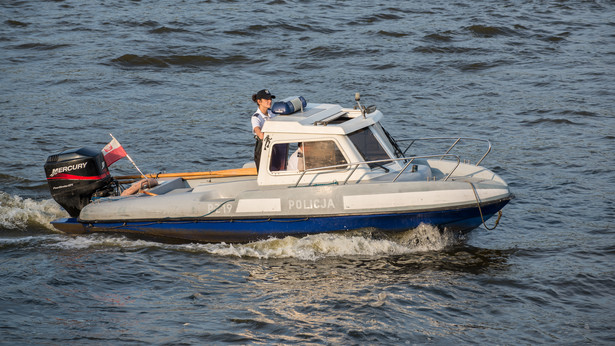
[{"x": 172, "y": 81}]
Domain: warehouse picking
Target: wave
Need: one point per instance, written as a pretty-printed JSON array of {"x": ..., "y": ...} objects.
[
  {"x": 238, "y": 32},
  {"x": 384, "y": 67},
  {"x": 166, "y": 30},
  {"x": 558, "y": 116},
  {"x": 489, "y": 31},
  {"x": 554, "y": 38},
  {"x": 137, "y": 24},
  {"x": 549, "y": 121},
  {"x": 580, "y": 113},
  {"x": 481, "y": 66},
  {"x": 15, "y": 184},
  {"x": 290, "y": 27},
  {"x": 449, "y": 50},
  {"x": 132, "y": 60},
  {"x": 376, "y": 18},
  {"x": 16, "y": 23},
  {"x": 284, "y": 28},
  {"x": 329, "y": 52},
  {"x": 438, "y": 38},
  {"x": 310, "y": 248},
  {"x": 41, "y": 46},
  {"x": 17, "y": 213},
  {"x": 392, "y": 33}
]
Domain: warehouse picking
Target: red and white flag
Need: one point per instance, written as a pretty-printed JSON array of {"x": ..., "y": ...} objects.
[{"x": 113, "y": 152}]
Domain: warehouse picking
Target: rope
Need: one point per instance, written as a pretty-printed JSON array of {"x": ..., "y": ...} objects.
[
  {"x": 191, "y": 220},
  {"x": 481, "y": 211},
  {"x": 201, "y": 218},
  {"x": 218, "y": 207}
]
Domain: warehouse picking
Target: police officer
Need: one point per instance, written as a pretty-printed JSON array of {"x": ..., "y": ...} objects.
[{"x": 263, "y": 99}]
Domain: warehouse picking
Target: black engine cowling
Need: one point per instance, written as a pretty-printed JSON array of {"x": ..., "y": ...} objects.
[{"x": 75, "y": 175}]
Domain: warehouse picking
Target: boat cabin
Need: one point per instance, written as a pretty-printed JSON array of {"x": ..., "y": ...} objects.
[{"x": 324, "y": 144}]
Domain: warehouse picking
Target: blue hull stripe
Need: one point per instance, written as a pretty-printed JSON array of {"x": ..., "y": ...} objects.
[{"x": 243, "y": 230}]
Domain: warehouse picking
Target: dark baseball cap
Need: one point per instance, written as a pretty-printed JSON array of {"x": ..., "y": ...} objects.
[{"x": 264, "y": 94}]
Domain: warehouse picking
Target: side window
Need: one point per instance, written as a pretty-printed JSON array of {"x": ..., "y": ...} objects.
[
  {"x": 323, "y": 154},
  {"x": 296, "y": 157},
  {"x": 368, "y": 146},
  {"x": 279, "y": 157}
]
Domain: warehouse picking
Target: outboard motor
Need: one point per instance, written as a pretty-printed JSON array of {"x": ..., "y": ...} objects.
[{"x": 75, "y": 175}]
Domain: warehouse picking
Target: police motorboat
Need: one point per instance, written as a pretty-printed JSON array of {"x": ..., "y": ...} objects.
[{"x": 323, "y": 168}]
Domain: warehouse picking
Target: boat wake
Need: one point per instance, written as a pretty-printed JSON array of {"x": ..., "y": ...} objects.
[
  {"x": 310, "y": 248},
  {"x": 17, "y": 213},
  {"x": 358, "y": 243},
  {"x": 26, "y": 215}
]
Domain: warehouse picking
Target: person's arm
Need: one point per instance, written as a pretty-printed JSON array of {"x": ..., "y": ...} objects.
[{"x": 258, "y": 132}]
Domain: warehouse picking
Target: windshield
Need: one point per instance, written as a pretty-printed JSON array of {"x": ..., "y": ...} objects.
[{"x": 368, "y": 146}]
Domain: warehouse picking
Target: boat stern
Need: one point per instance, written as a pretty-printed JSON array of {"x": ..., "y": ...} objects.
[{"x": 69, "y": 225}]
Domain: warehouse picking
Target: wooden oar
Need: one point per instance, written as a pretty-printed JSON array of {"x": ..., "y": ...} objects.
[{"x": 227, "y": 173}]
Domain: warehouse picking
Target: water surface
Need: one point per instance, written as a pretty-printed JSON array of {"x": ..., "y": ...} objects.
[{"x": 173, "y": 83}]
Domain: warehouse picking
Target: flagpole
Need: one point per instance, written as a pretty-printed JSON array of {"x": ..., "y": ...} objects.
[{"x": 129, "y": 158}]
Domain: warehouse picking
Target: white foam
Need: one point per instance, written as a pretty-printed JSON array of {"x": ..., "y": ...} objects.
[
  {"x": 427, "y": 238},
  {"x": 17, "y": 241},
  {"x": 94, "y": 241},
  {"x": 314, "y": 247},
  {"x": 18, "y": 213},
  {"x": 310, "y": 248}
]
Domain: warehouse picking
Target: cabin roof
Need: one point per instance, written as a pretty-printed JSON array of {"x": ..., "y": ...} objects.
[{"x": 321, "y": 118}]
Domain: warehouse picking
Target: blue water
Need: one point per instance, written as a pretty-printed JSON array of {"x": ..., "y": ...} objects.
[{"x": 173, "y": 81}]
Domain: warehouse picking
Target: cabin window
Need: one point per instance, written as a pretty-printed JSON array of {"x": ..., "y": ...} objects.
[
  {"x": 368, "y": 146},
  {"x": 296, "y": 157},
  {"x": 279, "y": 157}
]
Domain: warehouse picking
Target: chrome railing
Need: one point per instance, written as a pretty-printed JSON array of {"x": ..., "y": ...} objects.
[
  {"x": 356, "y": 165},
  {"x": 456, "y": 141},
  {"x": 408, "y": 160}
]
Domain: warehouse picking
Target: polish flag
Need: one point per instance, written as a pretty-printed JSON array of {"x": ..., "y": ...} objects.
[{"x": 113, "y": 152}]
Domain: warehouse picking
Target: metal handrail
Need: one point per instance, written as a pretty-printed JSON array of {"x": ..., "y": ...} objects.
[
  {"x": 357, "y": 164},
  {"x": 456, "y": 139}
]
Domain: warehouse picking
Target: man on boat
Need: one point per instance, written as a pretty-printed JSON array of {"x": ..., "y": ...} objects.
[
  {"x": 296, "y": 162},
  {"x": 263, "y": 113}
]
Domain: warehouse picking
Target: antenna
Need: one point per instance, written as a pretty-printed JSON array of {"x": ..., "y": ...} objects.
[{"x": 357, "y": 97}]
